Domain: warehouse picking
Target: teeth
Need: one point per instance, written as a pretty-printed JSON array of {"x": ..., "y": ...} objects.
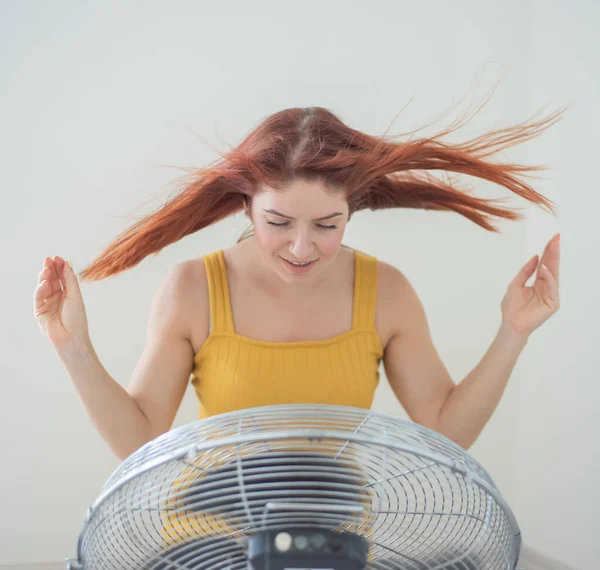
[{"x": 298, "y": 264}]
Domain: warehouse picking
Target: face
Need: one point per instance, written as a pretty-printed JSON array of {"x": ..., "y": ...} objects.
[{"x": 300, "y": 228}]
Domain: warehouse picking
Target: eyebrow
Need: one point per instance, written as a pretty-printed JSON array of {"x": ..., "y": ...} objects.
[{"x": 327, "y": 217}]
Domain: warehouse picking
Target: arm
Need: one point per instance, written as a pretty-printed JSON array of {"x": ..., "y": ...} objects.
[
  {"x": 413, "y": 367},
  {"x": 129, "y": 418},
  {"x": 421, "y": 382},
  {"x": 471, "y": 404}
]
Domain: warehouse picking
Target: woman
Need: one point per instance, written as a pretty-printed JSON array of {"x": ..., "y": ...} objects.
[{"x": 288, "y": 314}]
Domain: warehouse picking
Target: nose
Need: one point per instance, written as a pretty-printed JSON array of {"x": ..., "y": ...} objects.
[{"x": 302, "y": 246}]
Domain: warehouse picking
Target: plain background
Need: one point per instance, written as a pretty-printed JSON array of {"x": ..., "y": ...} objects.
[{"x": 96, "y": 97}]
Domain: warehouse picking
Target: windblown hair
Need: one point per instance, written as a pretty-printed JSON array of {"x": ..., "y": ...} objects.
[{"x": 314, "y": 144}]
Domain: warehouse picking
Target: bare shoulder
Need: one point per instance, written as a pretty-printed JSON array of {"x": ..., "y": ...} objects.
[
  {"x": 184, "y": 291},
  {"x": 397, "y": 302},
  {"x": 391, "y": 281}
]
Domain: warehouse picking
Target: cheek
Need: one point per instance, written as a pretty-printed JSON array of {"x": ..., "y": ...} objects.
[
  {"x": 268, "y": 239},
  {"x": 330, "y": 242}
]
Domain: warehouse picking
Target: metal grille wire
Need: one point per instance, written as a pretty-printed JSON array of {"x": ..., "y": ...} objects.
[{"x": 190, "y": 498}]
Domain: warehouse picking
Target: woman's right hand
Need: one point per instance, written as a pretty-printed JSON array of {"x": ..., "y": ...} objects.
[{"x": 58, "y": 303}]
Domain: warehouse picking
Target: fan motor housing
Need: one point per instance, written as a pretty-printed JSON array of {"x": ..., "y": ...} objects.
[{"x": 300, "y": 548}]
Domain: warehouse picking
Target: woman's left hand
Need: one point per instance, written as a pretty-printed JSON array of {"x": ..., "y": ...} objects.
[{"x": 524, "y": 309}]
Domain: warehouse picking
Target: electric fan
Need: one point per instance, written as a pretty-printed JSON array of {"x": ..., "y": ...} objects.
[{"x": 298, "y": 487}]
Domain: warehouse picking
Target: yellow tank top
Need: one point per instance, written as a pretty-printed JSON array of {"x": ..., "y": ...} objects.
[{"x": 233, "y": 372}]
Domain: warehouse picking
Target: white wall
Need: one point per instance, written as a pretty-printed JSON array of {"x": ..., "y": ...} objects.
[
  {"x": 95, "y": 96},
  {"x": 558, "y": 454}
]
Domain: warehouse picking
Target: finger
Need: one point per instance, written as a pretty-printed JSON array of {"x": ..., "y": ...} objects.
[
  {"x": 55, "y": 286},
  {"x": 526, "y": 272},
  {"x": 70, "y": 281},
  {"x": 547, "y": 286},
  {"x": 49, "y": 274},
  {"x": 43, "y": 298},
  {"x": 551, "y": 256},
  {"x": 59, "y": 263},
  {"x": 551, "y": 251},
  {"x": 45, "y": 273},
  {"x": 40, "y": 293},
  {"x": 47, "y": 269}
]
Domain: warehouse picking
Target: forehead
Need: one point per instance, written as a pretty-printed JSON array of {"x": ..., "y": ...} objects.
[{"x": 312, "y": 198}]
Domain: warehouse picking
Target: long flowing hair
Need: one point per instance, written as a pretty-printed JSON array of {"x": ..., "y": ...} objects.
[{"x": 375, "y": 172}]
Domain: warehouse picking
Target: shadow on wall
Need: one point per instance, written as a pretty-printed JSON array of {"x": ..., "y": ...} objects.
[{"x": 531, "y": 559}]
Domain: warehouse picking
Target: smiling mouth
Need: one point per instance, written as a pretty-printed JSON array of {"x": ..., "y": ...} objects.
[{"x": 299, "y": 263}]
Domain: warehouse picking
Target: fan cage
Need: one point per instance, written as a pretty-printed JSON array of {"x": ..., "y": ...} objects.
[{"x": 420, "y": 500}]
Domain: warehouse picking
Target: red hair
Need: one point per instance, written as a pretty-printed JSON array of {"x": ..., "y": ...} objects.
[{"x": 314, "y": 144}]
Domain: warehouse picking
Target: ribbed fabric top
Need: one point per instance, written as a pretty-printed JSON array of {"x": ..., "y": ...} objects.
[{"x": 233, "y": 372}]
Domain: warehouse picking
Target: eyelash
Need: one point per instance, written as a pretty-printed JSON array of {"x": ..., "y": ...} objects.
[{"x": 283, "y": 224}]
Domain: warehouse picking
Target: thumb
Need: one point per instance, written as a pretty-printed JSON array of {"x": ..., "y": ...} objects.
[
  {"x": 526, "y": 272},
  {"x": 70, "y": 279}
]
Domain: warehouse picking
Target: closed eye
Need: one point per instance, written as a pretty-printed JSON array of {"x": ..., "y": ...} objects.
[{"x": 283, "y": 224}]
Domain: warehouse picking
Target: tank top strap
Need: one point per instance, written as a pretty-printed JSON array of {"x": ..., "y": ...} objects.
[
  {"x": 221, "y": 319},
  {"x": 365, "y": 291}
]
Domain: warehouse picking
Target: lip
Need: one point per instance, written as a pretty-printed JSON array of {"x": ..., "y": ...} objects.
[
  {"x": 298, "y": 269},
  {"x": 298, "y": 261}
]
